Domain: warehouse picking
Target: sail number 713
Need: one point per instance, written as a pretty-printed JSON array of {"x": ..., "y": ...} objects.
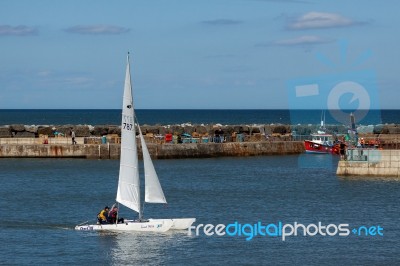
[{"x": 127, "y": 126}]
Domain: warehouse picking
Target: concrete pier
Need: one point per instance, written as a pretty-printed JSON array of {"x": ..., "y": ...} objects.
[
  {"x": 370, "y": 162},
  {"x": 157, "y": 151}
]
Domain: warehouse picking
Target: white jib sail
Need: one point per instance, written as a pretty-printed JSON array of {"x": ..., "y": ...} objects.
[
  {"x": 153, "y": 190},
  {"x": 128, "y": 193}
]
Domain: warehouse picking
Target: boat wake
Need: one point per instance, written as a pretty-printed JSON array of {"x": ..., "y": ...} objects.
[{"x": 32, "y": 225}]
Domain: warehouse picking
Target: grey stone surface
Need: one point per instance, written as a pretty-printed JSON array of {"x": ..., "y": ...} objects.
[
  {"x": 378, "y": 129},
  {"x": 17, "y": 128},
  {"x": 5, "y": 132},
  {"x": 188, "y": 129},
  {"x": 393, "y": 129},
  {"x": 32, "y": 129},
  {"x": 150, "y": 129},
  {"x": 114, "y": 130},
  {"x": 200, "y": 129},
  {"x": 82, "y": 131},
  {"x": 65, "y": 129},
  {"x": 177, "y": 130},
  {"x": 24, "y": 134},
  {"x": 281, "y": 129},
  {"x": 45, "y": 131},
  {"x": 100, "y": 130},
  {"x": 163, "y": 130},
  {"x": 255, "y": 129}
]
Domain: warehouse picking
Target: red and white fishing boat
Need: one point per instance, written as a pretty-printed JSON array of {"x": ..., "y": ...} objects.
[{"x": 321, "y": 142}]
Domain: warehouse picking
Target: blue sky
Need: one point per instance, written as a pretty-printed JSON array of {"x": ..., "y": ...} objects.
[{"x": 238, "y": 54}]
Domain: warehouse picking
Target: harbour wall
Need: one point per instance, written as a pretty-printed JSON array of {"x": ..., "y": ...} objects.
[
  {"x": 370, "y": 162},
  {"x": 157, "y": 151},
  {"x": 31, "y": 131}
]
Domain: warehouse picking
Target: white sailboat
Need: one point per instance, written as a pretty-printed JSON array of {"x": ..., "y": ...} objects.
[{"x": 128, "y": 192}]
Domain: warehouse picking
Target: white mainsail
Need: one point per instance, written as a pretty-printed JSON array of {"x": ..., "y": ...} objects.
[
  {"x": 128, "y": 193},
  {"x": 153, "y": 190}
]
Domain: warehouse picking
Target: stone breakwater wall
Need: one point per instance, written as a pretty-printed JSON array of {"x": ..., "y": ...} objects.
[
  {"x": 22, "y": 131},
  {"x": 159, "y": 151},
  {"x": 31, "y": 131}
]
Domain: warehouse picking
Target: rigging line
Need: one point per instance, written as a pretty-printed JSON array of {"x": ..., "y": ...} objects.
[
  {"x": 142, "y": 210},
  {"x": 116, "y": 219},
  {"x": 140, "y": 133},
  {"x": 137, "y": 120}
]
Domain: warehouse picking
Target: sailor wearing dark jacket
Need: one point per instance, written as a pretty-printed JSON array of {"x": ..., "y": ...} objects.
[{"x": 103, "y": 215}]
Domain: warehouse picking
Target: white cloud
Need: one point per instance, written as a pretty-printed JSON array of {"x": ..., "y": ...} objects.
[
  {"x": 305, "y": 39},
  {"x": 78, "y": 80},
  {"x": 97, "y": 29},
  {"x": 315, "y": 20},
  {"x": 21, "y": 30},
  {"x": 297, "y": 41},
  {"x": 44, "y": 73},
  {"x": 223, "y": 22}
]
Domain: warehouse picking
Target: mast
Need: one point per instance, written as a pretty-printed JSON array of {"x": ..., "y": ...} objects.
[
  {"x": 128, "y": 193},
  {"x": 140, "y": 212},
  {"x": 352, "y": 122}
]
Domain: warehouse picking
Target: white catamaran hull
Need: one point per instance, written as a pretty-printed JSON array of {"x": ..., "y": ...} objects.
[
  {"x": 182, "y": 223},
  {"x": 152, "y": 225}
]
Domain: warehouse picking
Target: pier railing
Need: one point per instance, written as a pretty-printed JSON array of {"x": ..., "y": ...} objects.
[
  {"x": 360, "y": 154},
  {"x": 381, "y": 141},
  {"x": 370, "y": 162},
  {"x": 156, "y": 139},
  {"x": 25, "y": 141},
  {"x": 371, "y": 155}
]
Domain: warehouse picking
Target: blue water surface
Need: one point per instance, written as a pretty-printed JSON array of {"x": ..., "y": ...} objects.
[
  {"x": 179, "y": 116},
  {"x": 43, "y": 199}
]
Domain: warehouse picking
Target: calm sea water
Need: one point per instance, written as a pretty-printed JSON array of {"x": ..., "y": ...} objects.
[
  {"x": 166, "y": 117},
  {"x": 43, "y": 199}
]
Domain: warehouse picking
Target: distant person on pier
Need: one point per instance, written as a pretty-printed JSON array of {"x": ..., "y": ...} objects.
[
  {"x": 221, "y": 135},
  {"x": 342, "y": 151},
  {"x": 218, "y": 136},
  {"x": 362, "y": 143},
  {"x": 73, "y": 137}
]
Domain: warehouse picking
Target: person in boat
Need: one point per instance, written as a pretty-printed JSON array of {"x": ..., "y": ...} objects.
[
  {"x": 102, "y": 217},
  {"x": 113, "y": 216}
]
